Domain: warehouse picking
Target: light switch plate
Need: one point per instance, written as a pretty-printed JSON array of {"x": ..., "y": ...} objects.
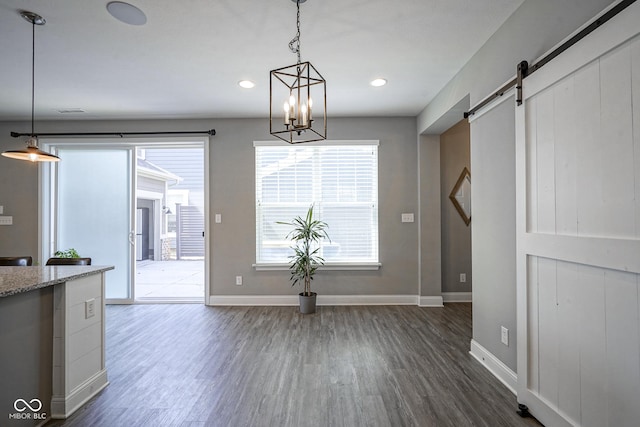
[
  {"x": 1, "y": 210},
  {"x": 6, "y": 220},
  {"x": 218, "y": 218},
  {"x": 89, "y": 308},
  {"x": 504, "y": 336},
  {"x": 407, "y": 217}
]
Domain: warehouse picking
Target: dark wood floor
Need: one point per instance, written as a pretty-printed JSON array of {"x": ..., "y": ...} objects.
[{"x": 191, "y": 365}]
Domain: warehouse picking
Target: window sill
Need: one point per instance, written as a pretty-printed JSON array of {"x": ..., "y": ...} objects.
[{"x": 334, "y": 266}]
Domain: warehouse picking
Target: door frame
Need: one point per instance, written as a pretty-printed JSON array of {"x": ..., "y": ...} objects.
[
  {"x": 156, "y": 199},
  {"x": 47, "y": 211}
]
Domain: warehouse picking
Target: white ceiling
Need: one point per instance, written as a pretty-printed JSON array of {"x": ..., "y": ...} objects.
[{"x": 186, "y": 61}]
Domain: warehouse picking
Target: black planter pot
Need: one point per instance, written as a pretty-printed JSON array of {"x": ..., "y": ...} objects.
[{"x": 308, "y": 303}]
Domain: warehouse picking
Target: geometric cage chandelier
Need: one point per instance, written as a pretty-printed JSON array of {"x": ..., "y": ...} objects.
[{"x": 297, "y": 98}]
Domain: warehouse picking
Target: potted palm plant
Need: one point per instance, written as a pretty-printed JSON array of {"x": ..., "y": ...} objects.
[{"x": 307, "y": 233}]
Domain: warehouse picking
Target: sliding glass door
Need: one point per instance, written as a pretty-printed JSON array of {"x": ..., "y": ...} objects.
[
  {"x": 92, "y": 198},
  {"x": 95, "y": 196}
]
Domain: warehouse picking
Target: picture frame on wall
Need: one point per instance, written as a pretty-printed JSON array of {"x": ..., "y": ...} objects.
[{"x": 461, "y": 196}]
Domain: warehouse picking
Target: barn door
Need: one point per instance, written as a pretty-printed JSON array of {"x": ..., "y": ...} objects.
[{"x": 578, "y": 231}]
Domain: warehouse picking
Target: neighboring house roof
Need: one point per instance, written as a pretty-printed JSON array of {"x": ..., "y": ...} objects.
[{"x": 151, "y": 170}]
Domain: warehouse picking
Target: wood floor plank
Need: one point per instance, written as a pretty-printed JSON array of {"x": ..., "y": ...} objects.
[{"x": 192, "y": 365}]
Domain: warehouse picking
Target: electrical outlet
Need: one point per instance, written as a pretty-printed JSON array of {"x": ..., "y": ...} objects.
[
  {"x": 463, "y": 277},
  {"x": 1, "y": 210},
  {"x": 89, "y": 308},
  {"x": 218, "y": 218},
  {"x": 406, "y": 217},
  {"x": 6, "y": 220},
  {"x": 239, "y": 280},
  {"x": 505, "y": 336}
]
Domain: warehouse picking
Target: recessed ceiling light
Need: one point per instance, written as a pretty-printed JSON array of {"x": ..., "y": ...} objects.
[
  {"x": 378, "y": 82},
  {"x": 126, "y": 13},
  {"x": 247, "y": 84}
]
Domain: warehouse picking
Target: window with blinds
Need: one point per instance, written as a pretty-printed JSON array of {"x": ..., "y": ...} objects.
[{"x": 340, "y": 179}]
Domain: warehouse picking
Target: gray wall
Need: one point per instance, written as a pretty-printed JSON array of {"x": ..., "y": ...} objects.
[
  {"x": 456, "y": 235},
  {"x": 232, "y": 194},
  {"x": 493, "y": 236},
  {"x": 533, "y": 29},
  {"x": 19, "y": 197},
  {"x": 430, "y": 232},
  {"x": 536, "y": 27},
  {"x": 26, "y": 352}
]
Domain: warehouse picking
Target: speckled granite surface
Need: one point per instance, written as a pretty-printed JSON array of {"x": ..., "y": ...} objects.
[{"x": 14, "y": 280}]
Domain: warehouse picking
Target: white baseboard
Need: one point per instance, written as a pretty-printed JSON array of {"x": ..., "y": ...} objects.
[
  {"x": 430, "y": 301},
  {"x": 366, "y": 300},
  {"x": 456, "y": 296},
  {"x": 285, "y": 300},
  {"x": 222, "y": 300},
  {"x": 63, "y": 406},
  {"x": 495, "y": 366}
]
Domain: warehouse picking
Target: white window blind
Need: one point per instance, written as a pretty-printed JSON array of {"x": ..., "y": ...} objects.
[{"x": 339, "y": 179}]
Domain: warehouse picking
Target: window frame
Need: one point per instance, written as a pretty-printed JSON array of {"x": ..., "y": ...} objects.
[{"x": 330, "y": 266}]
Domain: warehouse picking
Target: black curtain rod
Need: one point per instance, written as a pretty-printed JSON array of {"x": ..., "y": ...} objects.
[
  {"x": 553, "y": 54},
  {"x": 210, "y": 132}
]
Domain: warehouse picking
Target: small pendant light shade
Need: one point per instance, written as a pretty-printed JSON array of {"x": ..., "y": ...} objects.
[{"x": 32, "y": 152}]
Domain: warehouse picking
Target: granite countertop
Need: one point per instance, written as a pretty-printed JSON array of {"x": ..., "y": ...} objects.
[{"x": 14, "y": 280}]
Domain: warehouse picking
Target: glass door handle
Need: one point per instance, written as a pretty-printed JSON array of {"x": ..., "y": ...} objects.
[{"x": 132, "y": 236}]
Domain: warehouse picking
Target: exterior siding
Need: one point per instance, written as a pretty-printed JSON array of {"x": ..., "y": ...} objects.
[{"x": 187, "y": 163}]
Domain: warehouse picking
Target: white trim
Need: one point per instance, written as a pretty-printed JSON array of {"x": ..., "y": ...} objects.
[
  {"x": 366, "y": 300},
  {"x": 328, "y": 142},
  {"x": 495, "y": 366},
  {"x": 207, "y": 221},
  {"x": 456, "y": 296},
  {"x": 253, "y": 300},
  {"x": 149, "y": 195},
  {"x": 292, "y": 300},
  {"x": 432, "y": 301},
  {"x": 419, "y": 221},
  {"x": 334, "y": 266},
  {"x": 156, "y": 199},
  {"x": 129, "y": 141},
  {"x": 63, "y": 407},
  {"x": 157, "y": 175}
]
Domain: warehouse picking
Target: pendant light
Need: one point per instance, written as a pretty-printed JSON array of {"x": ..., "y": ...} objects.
[
  {"x": 298, "y": 101},
  {"x": 32, "y": 152}
]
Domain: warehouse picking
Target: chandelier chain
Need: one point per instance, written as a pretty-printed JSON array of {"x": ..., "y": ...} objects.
[{"x": 294, "y": 44}]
